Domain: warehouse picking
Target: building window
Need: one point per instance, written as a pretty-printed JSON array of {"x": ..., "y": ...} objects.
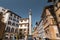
[
  {"x": 14, "y": 19},
  {"x": 20, "y": 29},
  {"x": 24, "y": 29},
  {"x": 7, "y": 29},
  {"x": 12, "y": 30},
  {"x": 59, "y": 15},
  {"x": 14, "y": 16},
  {"x": 3, "y": 9},
  {"x": 17, "y": 17},
  {"x": 17, "y": 25},
  {"x": 17, "y": 21},
  {"x": 21, "y": 20},
  {"x": 9, "y": 22},
  {"x": 25, "y": 25},
  {"x": 13, "y": 24},
  {"x": 16, "y": 30},
  {"x": 10, "y": 18},
  {"x": 21, "y": 25},
  {"x": 46, "y": 32},
  {"x": 6, "y": 37},
  {"x": 11, "y": 14}
]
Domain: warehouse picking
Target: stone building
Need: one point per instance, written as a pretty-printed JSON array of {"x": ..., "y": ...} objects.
[
  {"x": 35, "y": 33},
  {"x": 50, "y": 22},
  {"x": 24, "y": 27},
  {"x": 41, "y": 32},
  {"x": 12, "y": 23}
]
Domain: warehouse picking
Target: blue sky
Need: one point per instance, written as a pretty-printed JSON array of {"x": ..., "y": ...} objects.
[{"x": 21, "y": 7}]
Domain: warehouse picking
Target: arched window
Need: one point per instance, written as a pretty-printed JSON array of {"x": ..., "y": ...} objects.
[
  {"x": 16, "y": 30},
  {"x": 9, "y": 22},
  {"x": 7, "y": 29},
  {"x": 13, "y": 24},
  {"x": 11, "y": 14},
  {"x": 12, "y": 30},
  {"x": 17, "y": 25},
  {"x": 20, "y": 30}
]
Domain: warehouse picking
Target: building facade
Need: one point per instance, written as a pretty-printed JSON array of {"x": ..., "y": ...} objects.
[
  {"x": 57, "y": 13},
  {"x": 24, "y": 27},
  {"x": 12, "y": 23},
  {"x": 49, "y": 23},
  {"x": 41, "y": 32},
  {"x": 35, "y": 33}
]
